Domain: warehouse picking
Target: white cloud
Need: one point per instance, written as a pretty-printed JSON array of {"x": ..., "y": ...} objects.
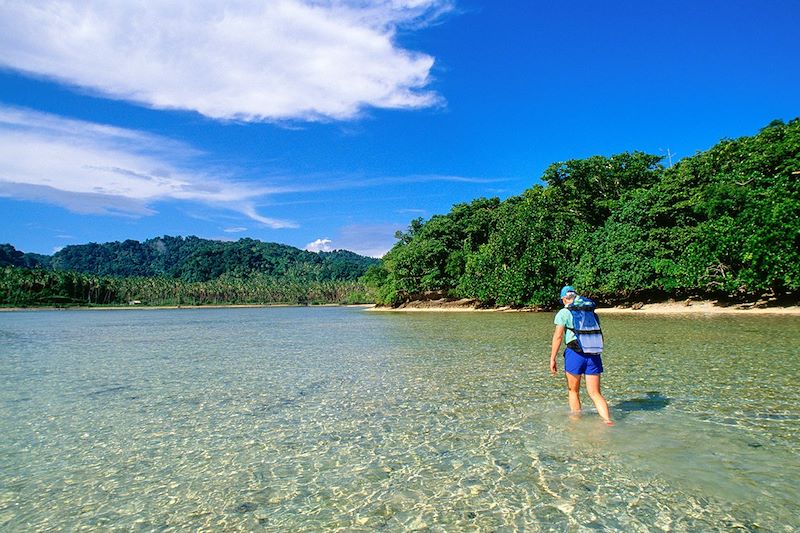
[
  {"x": 245, "y": 59},
  {"x": 94, "y": 168},
  {"x": 320, "y": 245},
  {"x": 235, "y": 230}
]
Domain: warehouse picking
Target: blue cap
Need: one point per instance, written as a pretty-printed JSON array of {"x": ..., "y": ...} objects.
[{"x": 567, "y": 289}]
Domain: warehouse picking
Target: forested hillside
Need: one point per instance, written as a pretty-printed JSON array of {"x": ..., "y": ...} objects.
[
  {"x": 177, "y": 271},
  {"x": 724, "y": 222},
  {"x": 195, "y": 259},
  {"x": 10, "y": 256}
]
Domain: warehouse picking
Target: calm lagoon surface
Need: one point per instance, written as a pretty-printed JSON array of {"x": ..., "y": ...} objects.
[{"x": 318, "y": 419}]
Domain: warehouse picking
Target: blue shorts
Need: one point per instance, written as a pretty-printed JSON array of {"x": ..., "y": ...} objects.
[{"x": 582, "y": 363}]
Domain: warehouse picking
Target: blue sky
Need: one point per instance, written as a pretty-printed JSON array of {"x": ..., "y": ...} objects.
[{"x": 330, "y": 124}]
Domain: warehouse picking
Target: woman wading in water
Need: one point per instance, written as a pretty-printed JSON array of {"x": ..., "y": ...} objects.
[{"x": 578, "y": 327}]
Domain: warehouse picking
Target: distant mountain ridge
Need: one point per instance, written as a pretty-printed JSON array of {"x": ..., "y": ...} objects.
[{"x": 193, "y": 259}]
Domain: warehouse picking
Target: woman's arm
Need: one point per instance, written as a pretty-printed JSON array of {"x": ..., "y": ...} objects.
[{"x": 558, "y": 335}]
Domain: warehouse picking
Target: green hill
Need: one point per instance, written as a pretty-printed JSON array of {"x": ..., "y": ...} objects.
[
  {"x": 178, "y": 271},
  {"x": 194, "y": 259}
]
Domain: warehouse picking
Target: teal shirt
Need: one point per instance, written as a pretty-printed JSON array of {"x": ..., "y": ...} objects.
[{"x": 564, "y": 318}]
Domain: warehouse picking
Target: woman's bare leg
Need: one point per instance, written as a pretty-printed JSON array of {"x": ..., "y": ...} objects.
[
  {"x": 593, "y": 389},
  {"x": 574, "y": 386}
]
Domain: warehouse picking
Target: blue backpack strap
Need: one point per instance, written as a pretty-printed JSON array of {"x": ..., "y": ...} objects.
[{"x": 584, "y": 303}]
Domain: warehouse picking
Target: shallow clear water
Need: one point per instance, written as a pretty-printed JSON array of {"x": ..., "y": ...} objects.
[{"x": 310, "y": 419}]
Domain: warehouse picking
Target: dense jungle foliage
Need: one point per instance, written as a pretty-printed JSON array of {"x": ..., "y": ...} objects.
[
  {"x": 193, "y": 259},
  {"x": 181, "y": 271},
  {"x": 22, "y": 287},
  {"x": 724, "y": 222}
]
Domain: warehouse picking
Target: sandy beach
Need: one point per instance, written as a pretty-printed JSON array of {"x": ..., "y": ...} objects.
[
  {"x": 704, "y": 307},
  {"x": 693, "y": 307}
]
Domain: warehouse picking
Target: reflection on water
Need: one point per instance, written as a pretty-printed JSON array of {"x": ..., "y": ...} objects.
[{"x": 305, "y": 419}]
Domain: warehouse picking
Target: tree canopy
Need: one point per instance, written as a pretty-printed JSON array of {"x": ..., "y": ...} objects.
[{"x": 722, "y": 222}]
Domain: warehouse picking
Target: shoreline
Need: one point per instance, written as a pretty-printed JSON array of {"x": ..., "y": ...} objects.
[
  {"x": 698, "y": 307},
  {"x": 694, "y": 307},
  {"x": 169, "y": 307}
]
